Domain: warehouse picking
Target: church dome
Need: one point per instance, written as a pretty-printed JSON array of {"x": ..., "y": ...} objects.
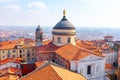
[
  {"x": 64, "y": 32},
  {"x": 64, "y": 27},
  {"x": 64, "y": 24},
  {"x": 38, "y": 28}
]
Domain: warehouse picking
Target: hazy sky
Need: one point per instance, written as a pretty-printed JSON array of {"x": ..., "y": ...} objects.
[{"x": 105, "y": 13}]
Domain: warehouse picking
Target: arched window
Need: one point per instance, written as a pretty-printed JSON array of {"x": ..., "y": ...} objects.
[
  {"x": 59, "y": 40},
  {"x": 68, "y": 40}
]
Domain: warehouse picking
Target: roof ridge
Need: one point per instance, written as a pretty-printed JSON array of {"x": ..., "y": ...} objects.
[
  {"x": 89, "y": 51},
  {"x": 65, "y": 70},
  {"x": 51, "y": 65},
  {"x": 42, "y": 66}
]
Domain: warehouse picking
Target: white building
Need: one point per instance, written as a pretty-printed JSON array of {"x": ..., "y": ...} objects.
[
  {"x": 92, "y": 67},
  {"x": 111, "y": 56}
]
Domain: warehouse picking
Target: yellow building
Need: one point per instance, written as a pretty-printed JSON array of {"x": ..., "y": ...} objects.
[{"x": 21, "y": 48}]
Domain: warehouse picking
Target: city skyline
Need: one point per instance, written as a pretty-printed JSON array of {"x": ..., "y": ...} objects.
[{"x": 100, "y": 13}]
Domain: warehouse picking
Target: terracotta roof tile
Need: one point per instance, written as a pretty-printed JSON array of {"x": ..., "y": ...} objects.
[
  {"x": 24, "y": 42},
  {"x": 15, "y": 70},
  {"x": 10, "y": 70},
  {"x": 49, "y": 47},
  {"x": 4, "y": 78},
  {"x": 38, "y": 64},
  {"x": 71, "y": 52},
  {"x": 45, "y": 42},
  {"x": 52, "y": 72},
  {"x": 15, "y": 60}
]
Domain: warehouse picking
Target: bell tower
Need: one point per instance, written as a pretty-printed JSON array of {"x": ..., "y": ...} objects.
[{"x": 39, "y": 36}]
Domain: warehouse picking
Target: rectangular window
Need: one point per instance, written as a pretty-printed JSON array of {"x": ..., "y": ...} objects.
[
  {"x": 68, "y": 40},
  {"x": 28, "y": 59},
  {"x": 59, "y": 40},
  {"x": 23, "y": 55},
  {"x": 14, "y": 51},
  {"x": 3, "y": 56},
  {"x": 53, "y": 39},
  {"x": 20, "y": 51},
  {"x": 88, "y": 69},
  {"x": 74, "y": 38},
  {"x": 32, "y": 49},
  {"x": 23, "y": 50},
  {"x": 20, "y": 55},
  {"x": 32, "y": 54},
  {"x": 3, "y": 51},
  {"x": 28, "y": 50},
  {"x": 13, "y": 56},
  {"x": 33, "y": 58},
  {"x": 8, "y": 54},
  {"x": 28, "y": 54}
]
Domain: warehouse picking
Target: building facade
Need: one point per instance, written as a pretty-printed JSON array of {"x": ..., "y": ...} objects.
[{"x": 21, "y": 48}]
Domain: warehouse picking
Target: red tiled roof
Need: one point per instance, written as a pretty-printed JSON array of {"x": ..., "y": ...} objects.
[
  {"x": 38, "y": 64},
  {"x": 4, "y": 78},
  {"x": 108, "y": 66},
  {"x": 71, "y": 52},
  {"x": 15, "y": 60},
  {"x": 45, "y": 42},
  {"x": 25, "y": 42},
  {"x": 11, "y": 70},
  {"x": 52, "y": 72},
  {"x": 14, "y": 70},
  {"x": 49, "y": 47}
]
